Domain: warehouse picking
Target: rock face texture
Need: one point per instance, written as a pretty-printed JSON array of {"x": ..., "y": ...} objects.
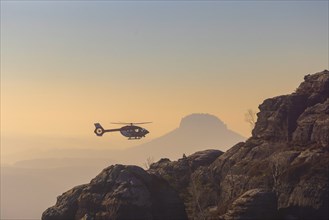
[
  {"x": 119, "y": 192},
  {"x": 281, "y": 172},
  {"x": 181, "y": 176},
  {"x": 253, "y": 204},
  {"x": 288, "y": 154}
]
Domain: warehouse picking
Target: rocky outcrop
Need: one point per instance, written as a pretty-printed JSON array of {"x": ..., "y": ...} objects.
[
  {"x": 312, "y": 126},
  {"x": 119, "y": 192},
  {"x": 180, "y": 174},
  {"x": 66, "y": 206},
  {"x": 281, "y": 172},
  {"x": 288, "y": 154},
  {"x": 315, "y": 87},
  {"x": 278, "y": 117}
]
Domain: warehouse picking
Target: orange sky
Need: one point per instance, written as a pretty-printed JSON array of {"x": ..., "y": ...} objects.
[{"x": 63, "y": 69}]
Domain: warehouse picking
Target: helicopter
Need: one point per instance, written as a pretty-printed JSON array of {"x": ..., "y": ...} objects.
[{"x": 131, "y": 131}]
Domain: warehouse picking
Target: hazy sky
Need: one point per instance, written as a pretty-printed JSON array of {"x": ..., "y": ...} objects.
[{"x": 68, "y": 64}]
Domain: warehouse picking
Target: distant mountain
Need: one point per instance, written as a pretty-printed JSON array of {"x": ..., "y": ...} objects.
[{"x": 195, "y": 132}]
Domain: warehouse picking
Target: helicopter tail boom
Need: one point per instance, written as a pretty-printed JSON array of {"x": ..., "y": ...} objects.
[{"x": 99, "y": 130}]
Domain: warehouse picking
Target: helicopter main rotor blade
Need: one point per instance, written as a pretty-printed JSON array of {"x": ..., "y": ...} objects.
[
  {"x": 124, "y": 123},
  {"x": 120, "y": 123},
  {"x": 139, "y": 123}
]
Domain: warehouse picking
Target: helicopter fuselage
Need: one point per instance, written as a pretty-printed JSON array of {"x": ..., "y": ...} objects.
[{"x": 132, "y": 132}]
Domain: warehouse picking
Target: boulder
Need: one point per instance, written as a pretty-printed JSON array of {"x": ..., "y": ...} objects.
[{"x": 119, "y": 192}]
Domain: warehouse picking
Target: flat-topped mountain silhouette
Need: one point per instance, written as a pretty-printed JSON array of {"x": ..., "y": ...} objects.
[{"x": 195, "y": 132}]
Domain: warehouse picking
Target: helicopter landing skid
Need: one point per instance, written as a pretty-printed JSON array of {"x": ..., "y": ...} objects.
[{"x": 134, "y": 138}]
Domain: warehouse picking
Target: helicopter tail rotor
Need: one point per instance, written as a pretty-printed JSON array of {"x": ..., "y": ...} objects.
[{"x": 99, "y": 130}]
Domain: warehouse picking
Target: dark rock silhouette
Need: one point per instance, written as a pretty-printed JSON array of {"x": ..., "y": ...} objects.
[
  {"x": 288, "y": 154},
  {"x": 278, "y": 117},
  {"x": 119, "y": 192},
  {"x": 281, "y": 172},
  {"x": 181, "y": 176}
]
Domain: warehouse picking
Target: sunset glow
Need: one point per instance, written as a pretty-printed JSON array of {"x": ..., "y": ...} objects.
[{"x": 66, "y": 65}]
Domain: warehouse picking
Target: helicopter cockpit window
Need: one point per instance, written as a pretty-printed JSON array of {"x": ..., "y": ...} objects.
[{"x": 137, "y": 130}]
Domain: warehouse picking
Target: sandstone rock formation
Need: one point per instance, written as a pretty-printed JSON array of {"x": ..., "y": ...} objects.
[
  {"x": 288, "y": 154},
  {"x": 180, "y": 174},
  {"x": 119, "y": 192},
  {"x": 281, "y": 172}
]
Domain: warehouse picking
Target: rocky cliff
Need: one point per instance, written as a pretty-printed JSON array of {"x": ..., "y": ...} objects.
[
  {"x": 281, "y": 172},
  {"x": 119, "y": 192}
]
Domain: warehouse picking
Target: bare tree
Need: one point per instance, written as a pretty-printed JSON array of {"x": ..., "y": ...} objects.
[
  {"x": 278, "y": 164},
  {"x": 196, "y": 194},
  {"x": 276, "y": 172},
  {"x": 250, "y": 117},
  {"x": 148, "y": 162},
  {"x": 232, "y": 183}
]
